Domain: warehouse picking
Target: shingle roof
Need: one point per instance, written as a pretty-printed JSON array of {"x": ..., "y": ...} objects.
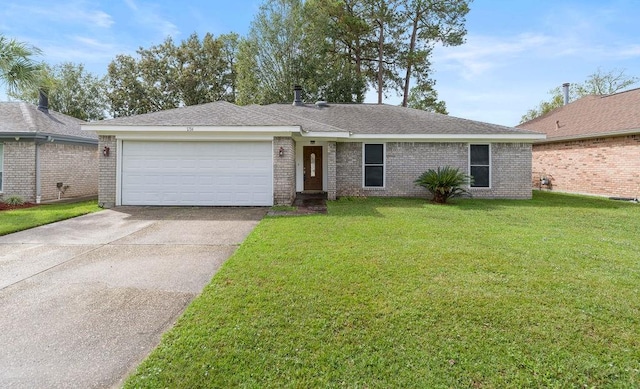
[
  {"x": 591, "y": 116},
  {"x": 390, "y": 119},
  {"x": 20, "y": 117},
  {"x": 219, "y": 113},
  {"x": 372, "y": 119}
]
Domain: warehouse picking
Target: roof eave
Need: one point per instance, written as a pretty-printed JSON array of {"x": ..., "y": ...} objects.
[
  {"x": 609, "y": 134},
  {"x": 47, "y": 137}
]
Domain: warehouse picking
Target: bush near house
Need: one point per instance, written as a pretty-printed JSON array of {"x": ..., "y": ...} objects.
[{"x": 444, "y": 183}]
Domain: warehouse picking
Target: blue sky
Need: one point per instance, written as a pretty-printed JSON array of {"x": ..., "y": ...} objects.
[{"x": 516, "y": 50}]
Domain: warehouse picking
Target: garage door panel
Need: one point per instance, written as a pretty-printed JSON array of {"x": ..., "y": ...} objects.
[{"x": 197, "y": 173}]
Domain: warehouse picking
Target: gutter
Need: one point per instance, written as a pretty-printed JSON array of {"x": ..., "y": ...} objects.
[
  {"x": 610, "y": 134},
  {"x": 45, "y": 137}
]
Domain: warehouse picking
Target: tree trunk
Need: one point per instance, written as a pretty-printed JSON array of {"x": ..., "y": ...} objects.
[
  {"x": 412, "y": 47},
  {"x": 380, "y": 66}
]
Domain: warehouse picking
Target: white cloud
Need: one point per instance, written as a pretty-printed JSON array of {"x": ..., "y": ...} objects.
[
  {"x": 146, "y": 14},
  {"x": 67, "y": 12}
]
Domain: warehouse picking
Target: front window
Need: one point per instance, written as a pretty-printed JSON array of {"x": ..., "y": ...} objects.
[
  {"x": 1, "y": 164},
  {"x": 374, "y": 165},
  {"x": 480, "y": 165}
]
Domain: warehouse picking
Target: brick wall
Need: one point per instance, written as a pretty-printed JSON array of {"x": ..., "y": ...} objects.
[
  {"x": 19, "y": 176},
  {"x": 107, "y": 172},
  {"x": 405, "y": 161},
  {"x": 284, "y": 171},
  {"x": 75, "y": 166},
  {"x": 603, "y": 166},
  {"x": 331, "y": 170}
]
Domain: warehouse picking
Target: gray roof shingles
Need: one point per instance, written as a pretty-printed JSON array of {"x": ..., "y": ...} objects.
[
  {"x": 591, "y": 116},
  {"x": 355, "y": 118},
  {"x": 21, "y": 117}
]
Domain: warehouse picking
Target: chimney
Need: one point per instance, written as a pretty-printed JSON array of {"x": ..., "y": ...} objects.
[
  {"x": 297, "y": 96},
  {"x": 565, "y": 91},
  {"x": 43, "y": 100}
]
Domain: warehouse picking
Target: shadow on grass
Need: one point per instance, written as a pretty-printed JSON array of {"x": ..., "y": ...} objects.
[{"x": 370, "y": 206}]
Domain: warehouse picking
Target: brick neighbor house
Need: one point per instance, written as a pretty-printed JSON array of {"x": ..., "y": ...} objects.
[
  {"x": 44, "y": 155},
  {"x": 223, "y": 154},
  {"x": 592, "y": 146}
]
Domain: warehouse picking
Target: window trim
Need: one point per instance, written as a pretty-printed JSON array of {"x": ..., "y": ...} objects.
[
  {"x": 384, "y": 165},
  {"x": 489, "y": 166}
]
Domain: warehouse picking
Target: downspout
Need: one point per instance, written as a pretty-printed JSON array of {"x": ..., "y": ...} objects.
[{"x": 38, "y": 189}]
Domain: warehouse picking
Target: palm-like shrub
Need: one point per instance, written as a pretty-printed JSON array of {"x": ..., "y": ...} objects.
[{"x": 444, "y": 183}]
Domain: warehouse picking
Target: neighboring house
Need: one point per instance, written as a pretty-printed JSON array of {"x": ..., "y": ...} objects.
[
  {"x": 44, "y": 155},
  {"x": 592, "y": 146},
  {"x": 223, "y": 154}
]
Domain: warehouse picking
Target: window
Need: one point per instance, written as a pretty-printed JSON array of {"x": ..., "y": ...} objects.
[
  {"x": 1, "y": 164},
  {"x": 373, "y": 165},
  {"x": 480, "y": 165}
]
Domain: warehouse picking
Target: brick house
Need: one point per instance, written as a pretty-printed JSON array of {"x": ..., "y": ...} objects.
[
  {"x": 223, "y": 154},
  {"x": 44, "y": 155},
  {"x": 592, "y": 146}
]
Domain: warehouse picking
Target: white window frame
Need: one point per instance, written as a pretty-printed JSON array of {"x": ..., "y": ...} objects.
[
  {"x": 489, "y": 165},
  {"x": 1, "y": 166},
  {"x": 384, "y": 165}
]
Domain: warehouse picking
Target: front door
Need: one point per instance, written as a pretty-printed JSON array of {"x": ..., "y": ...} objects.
[{"x": 312, "y": 167}]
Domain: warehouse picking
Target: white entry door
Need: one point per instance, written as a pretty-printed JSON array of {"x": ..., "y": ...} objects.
[{"x": 197, "y": 173}]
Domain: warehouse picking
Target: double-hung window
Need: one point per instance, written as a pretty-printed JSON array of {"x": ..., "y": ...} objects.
[
  {"x": 373, "y": 165},
  {"x": 480, "y": 165},
  {"x": 1, "y": 164}
]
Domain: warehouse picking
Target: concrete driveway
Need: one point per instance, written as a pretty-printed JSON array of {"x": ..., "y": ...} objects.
[{"x": 83, "y": 301}]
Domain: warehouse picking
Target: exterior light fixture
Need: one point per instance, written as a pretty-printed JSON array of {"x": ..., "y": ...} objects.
[
  {"x": 281, "y": 151},
  {"x": 105, "y": 151}
]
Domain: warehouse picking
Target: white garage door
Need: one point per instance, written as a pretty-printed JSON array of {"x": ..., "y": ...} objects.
[{"x": 197, "y": 173}]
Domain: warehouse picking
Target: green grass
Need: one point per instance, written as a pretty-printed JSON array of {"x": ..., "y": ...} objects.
[
  {"x": 22, "y": 219},
  {"x": 386, "y": 293}
]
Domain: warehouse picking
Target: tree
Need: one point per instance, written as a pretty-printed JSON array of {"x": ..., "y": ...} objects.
[
  {"x": 71, "y": 90},
  {"x": 425, "y": 98},
  {"x": 18, "y": 69},
  {"x": 272, "y": 59},
  {"x": 168, "y": 75},
  {"x": 598, "y": 83},
  {"x": 429, "y": 22}
]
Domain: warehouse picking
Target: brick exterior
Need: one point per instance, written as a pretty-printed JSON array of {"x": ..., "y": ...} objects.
[
  {"x": 284, "y": 171},
  {"x": 602, "y": 166},
  {"x": 19, "y": 176},
  {"x": 75, "y": 165},
  {"x": 107, "y": 169},
  {"x": 405, "y": 161},
  {"x": 331, "y": 170}
]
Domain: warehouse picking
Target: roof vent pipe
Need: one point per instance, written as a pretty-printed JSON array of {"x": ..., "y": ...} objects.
[
  {"x": 565, "y": 92},
  {"x": 297, "y": 96},
  {"x": 43, "y": 100}
]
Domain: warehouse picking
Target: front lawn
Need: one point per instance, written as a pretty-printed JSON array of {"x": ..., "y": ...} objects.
[
  {"x": 22, "y": 219},
  {"x": 386, "y": 293}
]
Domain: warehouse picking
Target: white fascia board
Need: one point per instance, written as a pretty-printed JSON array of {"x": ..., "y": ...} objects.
[
  {"x": 317, "y": 134},
  {"x": 519, "y": 138},
  {"x": 198, "y": 136},
  {"x": 113, "y": 130}
]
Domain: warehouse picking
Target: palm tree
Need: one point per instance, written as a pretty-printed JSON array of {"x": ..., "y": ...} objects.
[{"x": 17, "y": 67}]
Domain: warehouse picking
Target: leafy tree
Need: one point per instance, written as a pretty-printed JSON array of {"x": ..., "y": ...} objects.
[
  {"x": 598, "y": 83},
  {"x": 18, "y": 69},
  {"x": 429, "y": 22},
  {"x": 444, "y": 183},
  {"x": 425, "y": 98},
  {"x": 71, "y": 91},
  {"x": 169, "y": 75}
]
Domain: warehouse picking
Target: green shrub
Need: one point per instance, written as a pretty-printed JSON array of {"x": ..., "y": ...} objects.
[
  {"x": 444, "y": 183},
  {"x": 14, "y": 200}
]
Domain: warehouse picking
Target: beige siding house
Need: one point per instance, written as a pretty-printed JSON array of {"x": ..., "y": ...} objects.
[
  {"x": 592, "y": 146},
  {"x": 223, "y": 154},
  {"x": 44, "y": 155}
]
